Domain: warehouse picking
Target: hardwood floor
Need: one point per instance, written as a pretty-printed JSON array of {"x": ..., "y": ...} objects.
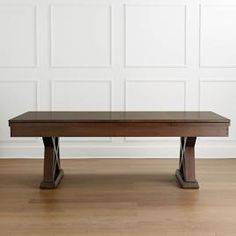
[{"x": 111, "y": 197}]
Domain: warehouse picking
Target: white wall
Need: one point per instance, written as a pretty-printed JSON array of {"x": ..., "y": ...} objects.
[{"x": 117, "y": 55}]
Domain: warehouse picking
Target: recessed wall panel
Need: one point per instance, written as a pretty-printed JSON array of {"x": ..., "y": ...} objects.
[
  {"x": 219, "y": 97},
  {"x": 81, "y": 36},
  {"x": 155, "y": 36},
  {"x": 16, "y": 97},
  {"x": 18, "y": 36},
  {"x": 81, "y": 95},
  {"x": 218, "y": 36},
  {"x": 155, "y": 95},
  {"x": 72, "y": 95},
  {"x": 144, "y": 95}
]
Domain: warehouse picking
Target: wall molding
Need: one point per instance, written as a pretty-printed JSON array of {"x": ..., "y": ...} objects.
[
  {"x": 200, "y": 36},
  {"x": 54, "y": 81},
  {"x": 37, "y": 107},
  {"x": 117, "y": 74},
  {"x": 157, "y": 150},
  {"x": 51, "y": 8},
  {"x": 207, "y": 80},
  {"x": 36, "y": 36},
  {"x": 214, "y": 80},
  {"x": 156, "y": 81},
  {"x": 184, "y": 65},
  {"x": 130, "y": 140},
  {"x": 109, "y": 82}
]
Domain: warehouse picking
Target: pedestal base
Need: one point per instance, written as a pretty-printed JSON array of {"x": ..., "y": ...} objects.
[
  {"x": 185, "y": 184},
  {"x": 52, "y": 184}
]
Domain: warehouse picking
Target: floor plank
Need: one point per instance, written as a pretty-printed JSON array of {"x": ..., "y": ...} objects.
[{"x": 111, "y": 197}]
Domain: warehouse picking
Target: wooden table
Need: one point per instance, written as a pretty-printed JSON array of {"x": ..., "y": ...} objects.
[{"x": 52, "y": 125}]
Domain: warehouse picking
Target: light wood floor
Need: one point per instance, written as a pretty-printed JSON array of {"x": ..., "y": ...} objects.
[{"x": 111, "y": 197}]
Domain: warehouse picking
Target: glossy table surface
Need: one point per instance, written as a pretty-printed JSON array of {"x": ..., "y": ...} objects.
[{"x": 118, "y": 116}]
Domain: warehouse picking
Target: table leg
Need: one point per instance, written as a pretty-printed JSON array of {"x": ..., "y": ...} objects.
[
  {"x": 52, "y": 169},
  {"x": 186, "y": 172}
]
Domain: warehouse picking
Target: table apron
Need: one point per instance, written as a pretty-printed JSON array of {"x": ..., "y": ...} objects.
[{"x": 119, "y": 129}]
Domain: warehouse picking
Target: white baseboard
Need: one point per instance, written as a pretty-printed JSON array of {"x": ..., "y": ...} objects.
[{"x": 157, "y": 149}]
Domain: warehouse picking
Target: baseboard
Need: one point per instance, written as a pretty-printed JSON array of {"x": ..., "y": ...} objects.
[{"x": 111, "y": 150}]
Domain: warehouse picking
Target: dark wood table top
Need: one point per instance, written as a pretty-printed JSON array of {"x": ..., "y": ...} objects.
[{"x": 119, "y": 116}]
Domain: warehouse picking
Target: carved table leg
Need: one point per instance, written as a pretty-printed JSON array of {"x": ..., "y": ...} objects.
[
  {"x": 52, "y": 169},
  {"x": 186, "y": 172}
]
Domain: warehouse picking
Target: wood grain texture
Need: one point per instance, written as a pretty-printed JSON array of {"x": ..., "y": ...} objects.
[
  {"x": 119, "y": 116},
  {"x": 186, "y": 172},
  {"x": 52, "y": 166},
  {"x": 119, "y": 124},
  {"x": 118, "y": 197},
  {"x": 119, "y": 129}
]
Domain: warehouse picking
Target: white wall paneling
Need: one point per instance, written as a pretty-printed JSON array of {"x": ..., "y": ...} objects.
[
  {"x": 18, "y": 40},
  {"x": 151, "y": 95},
  {"x": 117, "y": 55},
  {"x": 81, "y": 35},
  {"x": 218, "y": 96},
  {"x": 217, "y": 35},
  {"x": 149, "y": 34},
  {"x": 163, "y": 95},
  {"x": 82, "y": 95},
  {"x": 16, "y": 96}
]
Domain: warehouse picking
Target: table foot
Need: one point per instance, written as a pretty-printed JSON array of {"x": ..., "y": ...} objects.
[
  {"x": 185, "y": 184},
  {"x": 52, "y": 184}
]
